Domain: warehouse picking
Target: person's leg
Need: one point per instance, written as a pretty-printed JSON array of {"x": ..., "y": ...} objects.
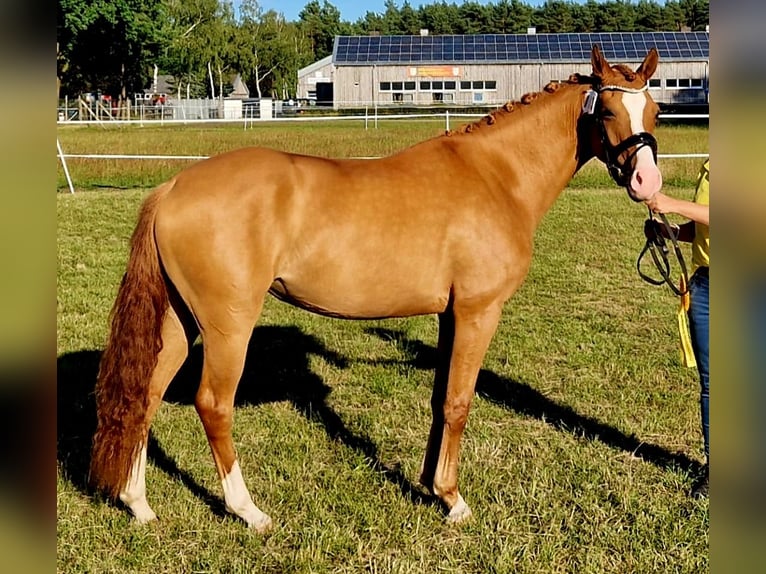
[{"x": 699, "y": 325}]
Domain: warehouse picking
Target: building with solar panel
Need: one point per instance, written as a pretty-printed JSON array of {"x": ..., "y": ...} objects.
[{"x": 491, "y": 69}]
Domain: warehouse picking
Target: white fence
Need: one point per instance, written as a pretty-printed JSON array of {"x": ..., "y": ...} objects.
[{"x": 370, "y": 118}]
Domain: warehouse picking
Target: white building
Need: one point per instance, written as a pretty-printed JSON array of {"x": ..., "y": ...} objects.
[{"x": 490, "y": 69}]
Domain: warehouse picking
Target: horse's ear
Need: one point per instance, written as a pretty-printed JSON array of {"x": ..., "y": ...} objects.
[
  {"x": 649, "y": 65},
  {"x": 598, "y": 62}
]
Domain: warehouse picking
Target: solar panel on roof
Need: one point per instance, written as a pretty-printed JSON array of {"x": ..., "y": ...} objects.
[{"x": 627, "y": 46}]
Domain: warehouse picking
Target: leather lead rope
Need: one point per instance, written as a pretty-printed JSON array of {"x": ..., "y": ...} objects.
[{"x": 657, "y": 246}]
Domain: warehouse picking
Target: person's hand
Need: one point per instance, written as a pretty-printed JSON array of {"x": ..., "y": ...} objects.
[{"x": 660, "y": 203}]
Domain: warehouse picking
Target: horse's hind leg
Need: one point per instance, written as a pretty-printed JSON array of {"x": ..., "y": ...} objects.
[
  {"x": 175, "y": 348},
  {"x": 225, "y": 345}
]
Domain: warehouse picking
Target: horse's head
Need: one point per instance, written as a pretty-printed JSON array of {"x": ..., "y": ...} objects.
[{"x": 624, "y": 116}]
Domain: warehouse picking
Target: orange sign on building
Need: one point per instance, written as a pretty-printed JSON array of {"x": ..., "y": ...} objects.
[{"x": 434, "y": 71}]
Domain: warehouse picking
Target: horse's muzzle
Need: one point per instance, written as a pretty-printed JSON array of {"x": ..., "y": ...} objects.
[{"x": 646, "y": 179}]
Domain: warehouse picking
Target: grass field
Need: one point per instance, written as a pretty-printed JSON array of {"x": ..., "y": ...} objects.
[{"x": 580, "y": 449}]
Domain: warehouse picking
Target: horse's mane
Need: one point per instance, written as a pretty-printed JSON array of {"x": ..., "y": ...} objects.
[{"x": 526, "y": 99}]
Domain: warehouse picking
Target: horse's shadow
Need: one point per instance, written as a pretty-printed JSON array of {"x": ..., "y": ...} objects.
[
  {"x": 276, "y": 369},
  {"x": 523, "y": 399},
  {"x": 279, "y": 356}
]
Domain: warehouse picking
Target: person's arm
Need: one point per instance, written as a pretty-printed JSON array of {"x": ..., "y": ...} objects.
[{"x": 661, "y": 203}]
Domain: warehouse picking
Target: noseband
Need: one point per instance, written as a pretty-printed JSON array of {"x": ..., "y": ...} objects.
[{"x": 620, "y": 171}]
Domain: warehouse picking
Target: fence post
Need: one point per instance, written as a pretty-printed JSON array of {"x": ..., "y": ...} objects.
[{"x": 63, "y": 164}]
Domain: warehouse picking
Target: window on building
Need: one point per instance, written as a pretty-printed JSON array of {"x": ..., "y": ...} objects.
[
  {"x": 655, "y": 84},
  {"x": 486, "y": 85},
  {"x": 437, "y": 96},
  {"x": 385, "y": 86},
  {"x": 437, "y": 86},
  {"x": 397, "y": 86},
  {"x": 685, "y": 83},
  {"x": 409, "y": 86},
  {"x": 397, "y": 97}
]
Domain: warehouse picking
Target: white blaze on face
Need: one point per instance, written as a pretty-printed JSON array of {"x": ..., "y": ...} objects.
[{"x": 646, "y": 179}]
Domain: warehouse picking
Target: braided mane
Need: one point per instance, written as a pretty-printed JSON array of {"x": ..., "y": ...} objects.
[{"x": 527, "y": 99}]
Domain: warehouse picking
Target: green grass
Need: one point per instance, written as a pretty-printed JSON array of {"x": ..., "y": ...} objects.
[{"x": 580, "y": 448}]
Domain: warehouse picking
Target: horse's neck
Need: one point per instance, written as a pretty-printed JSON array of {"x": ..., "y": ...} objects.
[{"x": 535, "y": 148}]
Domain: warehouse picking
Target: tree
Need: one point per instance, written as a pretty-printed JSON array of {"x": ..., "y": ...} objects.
[
  {"x": 370, "y": 22},
  {"x": 673, "y": 17},
  {"x": 409, "y": 19},
  {"x": 269, "y": 51},
  {"x": 474, "y": 18},
  {"x": 321, "y": 24},
  {"x": 615, "y": 16},
  {"x": 510, "y": 17},
  {"x": 696, "y": 13},
  {"x": 648, "y": 16},
  {"x": 555, "y": 16},
  {"x": 199, "y": 35},
  {"x": 107, "y": 45},
  {"x": 439, "y": 18}
]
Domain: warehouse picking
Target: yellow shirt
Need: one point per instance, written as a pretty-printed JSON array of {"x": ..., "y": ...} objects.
[{"x": 701, "y": 243}]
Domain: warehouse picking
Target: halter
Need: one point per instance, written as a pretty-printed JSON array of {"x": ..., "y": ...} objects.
[{"x": 619, "y": 170}]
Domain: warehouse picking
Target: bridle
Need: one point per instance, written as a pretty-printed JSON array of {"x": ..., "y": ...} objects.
[
  {"x": 620, "y": 171},
  {"x": 656, "y": 244}
]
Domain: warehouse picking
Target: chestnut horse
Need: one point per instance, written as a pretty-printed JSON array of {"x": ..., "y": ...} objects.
[{"x": 445, "y": 226}]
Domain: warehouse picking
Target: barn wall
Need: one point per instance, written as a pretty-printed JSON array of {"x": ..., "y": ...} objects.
[{"x": 361, "y": 85}]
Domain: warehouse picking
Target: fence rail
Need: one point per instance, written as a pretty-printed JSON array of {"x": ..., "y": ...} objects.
[{"x": 252, "y": 121}]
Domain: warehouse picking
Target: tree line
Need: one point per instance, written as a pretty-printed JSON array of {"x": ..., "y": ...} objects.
[{"x": 113, "y": 46}]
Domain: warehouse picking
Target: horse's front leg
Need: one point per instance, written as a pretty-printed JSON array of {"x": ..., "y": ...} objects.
[{"x": 471, "y": 331}]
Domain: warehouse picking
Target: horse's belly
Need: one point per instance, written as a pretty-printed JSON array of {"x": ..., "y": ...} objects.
[{"x": 359, "y": 299}]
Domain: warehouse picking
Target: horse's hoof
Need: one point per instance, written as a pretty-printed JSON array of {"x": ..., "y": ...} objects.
[
  {"x": 140, "y": 509},
  {"x": 145, "y": 516},
  {"x": 459, "y": 513},
  {"x": 261, "y": 524}
]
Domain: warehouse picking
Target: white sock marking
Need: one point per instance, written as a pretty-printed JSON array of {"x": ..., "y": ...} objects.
[
  {"x": 134, "y": 493},
  {"x": 239, "y": 502}
]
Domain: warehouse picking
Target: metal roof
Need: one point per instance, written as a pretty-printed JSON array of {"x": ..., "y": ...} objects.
[{"x": 516, "y": 48}]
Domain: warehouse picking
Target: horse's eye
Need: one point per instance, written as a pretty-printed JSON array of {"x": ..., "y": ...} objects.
[{"x": 606, "y": 113}]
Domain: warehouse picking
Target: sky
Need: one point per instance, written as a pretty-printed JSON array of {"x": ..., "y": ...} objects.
[{"x": 352, "y": 10}]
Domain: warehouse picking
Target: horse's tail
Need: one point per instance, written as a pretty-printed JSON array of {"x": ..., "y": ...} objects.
[{"x": 130, "y": 356}]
